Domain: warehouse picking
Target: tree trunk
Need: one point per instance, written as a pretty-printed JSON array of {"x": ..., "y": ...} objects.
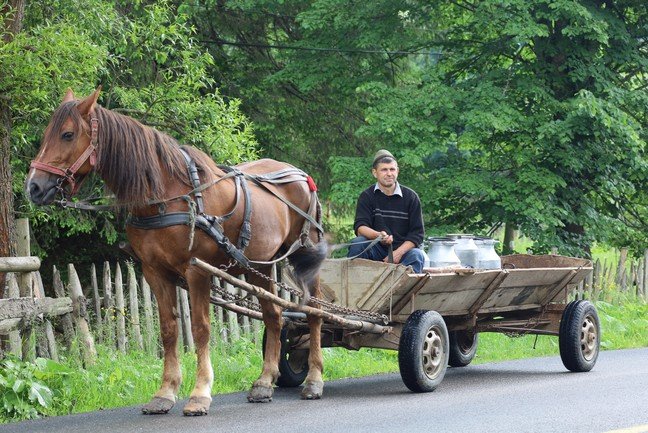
[
  {"x": 509, "y": 239},
  {"x": 13, "y": 13}
]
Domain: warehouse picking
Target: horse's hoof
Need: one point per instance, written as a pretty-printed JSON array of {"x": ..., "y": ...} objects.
[
  {"x": 157, "y": 406},
  {"x": 260, "y": 394},
  {"x": 197, "y": 406},
  {"x": 312, "y": 390}
]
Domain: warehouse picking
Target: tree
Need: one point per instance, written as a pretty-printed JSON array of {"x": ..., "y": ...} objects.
[
  {"x": 150, "y": 67},
  {"x": 12, "y": 16}
]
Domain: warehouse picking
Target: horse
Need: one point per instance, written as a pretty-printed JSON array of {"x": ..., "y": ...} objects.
[{"x": 147, "y": 171}]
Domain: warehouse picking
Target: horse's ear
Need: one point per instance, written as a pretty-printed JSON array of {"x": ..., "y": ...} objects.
[
  {"x": 69, "y": 96},
  {"x": 88, "y": 104}
]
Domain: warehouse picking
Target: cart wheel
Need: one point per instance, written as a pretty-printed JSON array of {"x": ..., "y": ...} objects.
[
  {"x": 579, "y": 336},
  {"x": 423, "y": 351},
  {"x": 463, "y": 347},
  {"x": 293, "y": 363}
]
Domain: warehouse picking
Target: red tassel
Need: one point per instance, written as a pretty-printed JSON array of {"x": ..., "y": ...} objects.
[{"x": 311, "y": 184}]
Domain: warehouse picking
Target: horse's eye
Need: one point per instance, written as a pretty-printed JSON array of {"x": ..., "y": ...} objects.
[{"x": 67, "y": 136}]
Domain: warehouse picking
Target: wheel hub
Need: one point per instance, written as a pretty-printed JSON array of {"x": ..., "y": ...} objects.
[
  {"x": 588, "y": 338},
  {"x": 432, "y": 353}
]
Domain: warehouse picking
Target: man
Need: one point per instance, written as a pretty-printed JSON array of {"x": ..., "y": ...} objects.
[{"x": 391, "y": 211}]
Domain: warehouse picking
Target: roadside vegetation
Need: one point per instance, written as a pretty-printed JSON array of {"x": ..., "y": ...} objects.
[{"x": 48, "y": 388}]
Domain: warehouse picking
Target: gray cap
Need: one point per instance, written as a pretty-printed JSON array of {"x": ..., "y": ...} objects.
[{"x": 382, "y": 153}]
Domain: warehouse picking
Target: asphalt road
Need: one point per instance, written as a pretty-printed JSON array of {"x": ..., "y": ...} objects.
[{"x": 534, "y": 395}]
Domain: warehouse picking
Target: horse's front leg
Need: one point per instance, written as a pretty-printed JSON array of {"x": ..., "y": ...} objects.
[
  {"x": 165, "y": 293},
  {"x": 314, "y": 385},
  {"x": 199, "y": 291},
  {"x": 262, "y": 388}
]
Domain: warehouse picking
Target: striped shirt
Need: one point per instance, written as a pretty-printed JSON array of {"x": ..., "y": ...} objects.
[{"x": 398, "y": 215}]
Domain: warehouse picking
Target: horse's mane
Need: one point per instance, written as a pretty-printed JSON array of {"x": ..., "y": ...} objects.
[{"x": 135, "y": 160}]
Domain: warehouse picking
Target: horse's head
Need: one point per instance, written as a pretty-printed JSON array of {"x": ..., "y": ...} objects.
[{"x": 67, "y": 152}]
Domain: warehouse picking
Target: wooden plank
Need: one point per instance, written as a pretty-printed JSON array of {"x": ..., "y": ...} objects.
[
  {"x": 409, "y": 296},
  {"x": 264, "y": 294},
  {"x": 80, "y": 317},
  {"x": 42, "y": 344},
  {"x": 15, "y": 342},
  {"x": 150, "y": 339},
  {"x": 186, "y": 320},
  {"x": 8, "y": 326},
  {"x": 108, "y": 332},
  {"x": 29, "y": 308},
  {"x": 232, "y": 323},
  {"x": 488, "y": 291},
  {"x": 120, "y": 310},
  {"x": 134, "y": 307},
  {"x": 25, "y": 284},
  {"x": 95, "y": 294},
  {"x": 66, "y": 319},
  {"x": 19, "y": 264}
]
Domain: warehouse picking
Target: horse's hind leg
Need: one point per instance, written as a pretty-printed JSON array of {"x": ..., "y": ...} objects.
[
  {"x": 262, "y": 388},
  {"x": 165, "y": 293},
  {"x": 314, "y": 385},
  {"x": 199, "y": 290}
]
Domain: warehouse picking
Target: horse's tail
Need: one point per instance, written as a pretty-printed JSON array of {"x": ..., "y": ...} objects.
[{"x": 306, "y": 263}]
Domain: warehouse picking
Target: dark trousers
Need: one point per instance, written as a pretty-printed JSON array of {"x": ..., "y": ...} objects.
[{"x": 414, "y": 257}]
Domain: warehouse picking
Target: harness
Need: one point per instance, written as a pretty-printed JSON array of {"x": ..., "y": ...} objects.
[
  {"x": 196, "y": 216},
  {"x": 212, "y": 225}
]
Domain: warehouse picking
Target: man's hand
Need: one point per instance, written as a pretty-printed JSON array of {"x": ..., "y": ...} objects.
[
  {"x": 398, "y": 255},
  {"x": 386, "y": 238}
]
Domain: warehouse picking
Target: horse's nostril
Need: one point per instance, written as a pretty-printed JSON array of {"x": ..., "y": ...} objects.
[{"x": 34, "y": 189}]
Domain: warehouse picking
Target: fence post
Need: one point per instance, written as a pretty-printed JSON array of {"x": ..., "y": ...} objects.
[
  {"x": 232, "y": 322},
  {"x": 24, "y": 281},
  {"x": 80, "y": 315},
  {"x": 621, "y": 270},
  {"x": 15, "y": 342},
  {"x": 49, "y": 340},
  {"x": 120, "y": 310},
  {"x": 185, "y": 316},
  {"x": 148, "y": 317},
  {"x": 134, "y": 306},
  {"x": 97, "y": 299},
  {"x": 645, "y": 273},
  {"x": 66, "y": 319},
  {"x": 108, "y": 333}
]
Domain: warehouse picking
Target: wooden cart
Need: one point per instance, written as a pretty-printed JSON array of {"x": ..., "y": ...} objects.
[{"x": 433, "y": 319}]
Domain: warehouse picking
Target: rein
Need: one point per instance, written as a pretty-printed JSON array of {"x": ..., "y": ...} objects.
[{"x": 68, "y": 174}]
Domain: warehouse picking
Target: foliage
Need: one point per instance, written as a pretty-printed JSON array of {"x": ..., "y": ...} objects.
[
  {"x": 527, "y": 113},
  {"x": 150, "y": 66},
  {"x": 23, "y": 388}
]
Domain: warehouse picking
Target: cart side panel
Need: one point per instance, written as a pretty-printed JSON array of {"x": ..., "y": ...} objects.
[
  {"x": 360, "y": 284},
  {"x": 530, "y": 288}
]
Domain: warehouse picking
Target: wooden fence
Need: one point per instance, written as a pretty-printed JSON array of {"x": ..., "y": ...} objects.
[{"x": 117, "y": 309}]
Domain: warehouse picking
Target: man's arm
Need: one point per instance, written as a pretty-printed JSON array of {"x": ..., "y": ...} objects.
[{"x": 370, "y": 233}]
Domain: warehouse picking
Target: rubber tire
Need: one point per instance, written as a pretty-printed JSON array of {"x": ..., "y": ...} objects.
[
  {"x": 460, "y": 354},
  {"x": 575, "y": 316},
  {"x": 289, "y": 377},
  {"x": 411, "y": 346}
]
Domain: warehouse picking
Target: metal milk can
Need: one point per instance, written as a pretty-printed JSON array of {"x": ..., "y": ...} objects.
[
  {"x": 487, "y": 258},
  {"x": 466, "y": 250},
  {"x": 441, "y": 254}
]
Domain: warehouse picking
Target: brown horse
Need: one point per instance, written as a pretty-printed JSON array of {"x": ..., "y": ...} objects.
[{"x": 146, "y": 170}]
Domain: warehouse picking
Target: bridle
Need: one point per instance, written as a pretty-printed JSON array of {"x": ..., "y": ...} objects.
[{"x": 68, "y": 174}]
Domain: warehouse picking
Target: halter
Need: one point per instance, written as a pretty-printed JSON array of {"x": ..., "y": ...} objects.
[{"x": 68, "y": 174}]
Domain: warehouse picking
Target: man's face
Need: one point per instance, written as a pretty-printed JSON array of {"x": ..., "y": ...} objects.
[{"x": 386, "y": 174}]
